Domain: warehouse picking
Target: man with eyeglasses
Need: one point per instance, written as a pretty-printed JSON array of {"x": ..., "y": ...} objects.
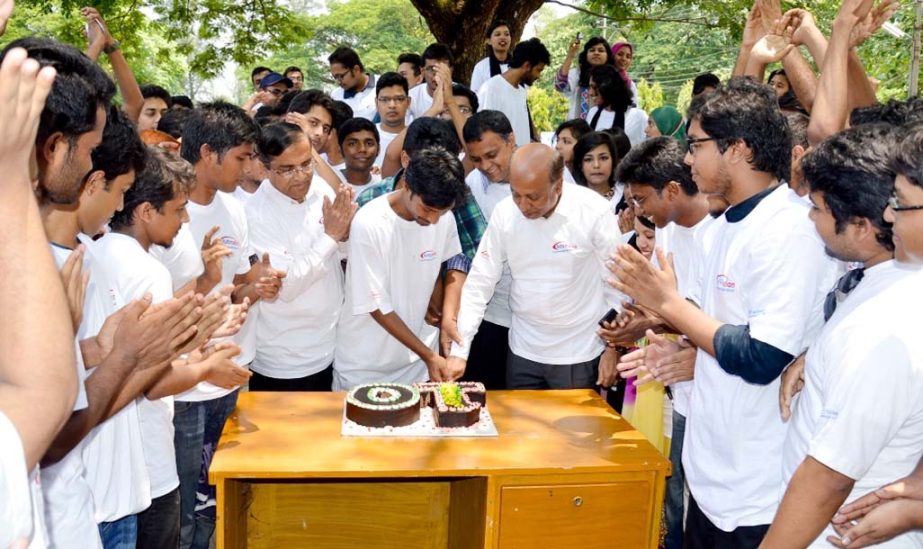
[
  {"x": 843, "y": 442},
  {"x": 761, "y": 289},
  {"x": 296, "y": 75},
  {"x": 393, "y": 103},
  {"x": 421, "y": 96},
  {"x": 271, "y": 89},
  {"x": 299, "y": 221},
  {"x": 356, "y": 87}
]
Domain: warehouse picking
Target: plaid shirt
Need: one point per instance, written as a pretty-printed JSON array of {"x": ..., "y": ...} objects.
[{"x": 468, "y": 218}]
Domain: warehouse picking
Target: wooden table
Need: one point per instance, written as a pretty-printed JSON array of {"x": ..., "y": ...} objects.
[{"x": 566, "y": 471}]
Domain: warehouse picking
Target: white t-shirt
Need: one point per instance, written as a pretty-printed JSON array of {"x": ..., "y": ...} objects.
[
  {"x": 559, "y": 289},
  {"x": 860, "y": 412},
  {"x": 66, "y": 496},
  {"x": 499, "y": 95},
  {"x": 384, "y": 139},
  {"x": 768, "y": 271},
  {"x": 374, "y": 179},
  {"x": 363, "y": 103},
  {"x": 420, "y": 100},
  {"x": 688, "y": 245},
  {"x": 635, "y": 123},
  {"x": 243, "y": 195},
  {"x": 393, "y": 266},
  {"x": 488, "y": 195},
  {"x": 481, "y": 72},
  {"x": 226, "y": 212},
  {"x": 183, "y": 259},
  {"x": 134, "y": 273},
  {"x": 296, "y": 333},
  {"x": 16, "y": 501}
]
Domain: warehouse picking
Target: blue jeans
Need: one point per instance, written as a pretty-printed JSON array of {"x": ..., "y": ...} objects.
[
  {"x": 119, "y": 534},
  {"x": 198, "y": 426},
  {"x": 676, "y": 485}
]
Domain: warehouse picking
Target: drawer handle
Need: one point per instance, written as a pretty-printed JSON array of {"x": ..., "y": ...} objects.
[{"x": 578, "y": 501}]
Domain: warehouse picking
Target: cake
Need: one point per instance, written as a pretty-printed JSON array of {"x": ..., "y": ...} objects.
[
  {"x": 383, "y": 405},
  {"x": 455, "y": 404}
]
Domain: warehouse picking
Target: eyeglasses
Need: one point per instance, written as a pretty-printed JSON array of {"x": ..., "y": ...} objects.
[
  {"x": 691, "y": 142},
  {"x": 339, "y": 77},
  {"x": 430, "y": 69},
  {"x": 275, "y": 91},
  {"x": 896, "y": 206},
  {"x": 396, "y": 100},
  {"x": 464, "y": 110},
  {"x": 288, "y": 173}
]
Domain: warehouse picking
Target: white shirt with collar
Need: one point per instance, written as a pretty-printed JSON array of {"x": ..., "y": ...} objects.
[
  {"x": 393, "y": 266},
  {"x": 488, "y": 194},
  {"x": 768, "y": 271},
  {"x": 860, "y": 412},
  {"x": 363, "y": 102},
  {"x": 559, "y": 290},
  {"x": 296, "y": 332}
]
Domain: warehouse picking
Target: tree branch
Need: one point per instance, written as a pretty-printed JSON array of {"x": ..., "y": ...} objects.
[{"x": 693, "y": 21}]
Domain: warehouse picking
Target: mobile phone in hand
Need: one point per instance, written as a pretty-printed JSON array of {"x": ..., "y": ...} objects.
[{"x": 609, "y": 317}]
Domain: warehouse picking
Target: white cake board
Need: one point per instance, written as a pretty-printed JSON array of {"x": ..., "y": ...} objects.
[{"x": 424, "y": 427}]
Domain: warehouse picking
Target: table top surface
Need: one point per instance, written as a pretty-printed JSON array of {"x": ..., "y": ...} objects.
[{"x": 297, "y": 435}]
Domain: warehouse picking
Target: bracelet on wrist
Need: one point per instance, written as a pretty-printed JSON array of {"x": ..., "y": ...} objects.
[{"x": 112, "y": 48}]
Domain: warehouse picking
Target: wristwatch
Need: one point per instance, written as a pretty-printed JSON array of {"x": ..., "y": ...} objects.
[{"x": 113, "y": 47}]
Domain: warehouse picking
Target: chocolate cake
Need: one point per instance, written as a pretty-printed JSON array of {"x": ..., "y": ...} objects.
[
  {"x": 454, "y": 404},
  {"x": 383, "y": 405}
]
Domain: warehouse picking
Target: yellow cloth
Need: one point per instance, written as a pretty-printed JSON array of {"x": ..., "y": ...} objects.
[{"x": 651, "y": 409}]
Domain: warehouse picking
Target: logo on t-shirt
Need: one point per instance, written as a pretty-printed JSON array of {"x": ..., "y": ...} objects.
[
  {"x": 725, "y": 284},
  {"x": 230, "y": 242},
  {"x": 428, "y": 255},
  {"x": 561, "y": 246}
]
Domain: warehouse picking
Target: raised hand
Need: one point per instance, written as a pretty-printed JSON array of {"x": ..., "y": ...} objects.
[
  {"x": 297, "y": 119},
  {"x": 338, "y": 215},
  {"x": 770, "y": 11},
  {"x": 6, "y": 10},
  {"x": 24, "y": 86},
  {"x": 776, "y": 44},
  {"x": 753, "y": 29},
  {"x": 803, "y": 25},
  {"x": 661, "y": 357},
  {"x": 75, "y": 284},
  {"x": 852, "y": 12},
  {"x": 234, "y": 319},
  {"x": 269, "y": 280},
  {"x": 639, "y": 279},
  {"x": 872, "y": 22},
  {"x": 154, "y": 335},
  {"x": 213, "y": 252}
]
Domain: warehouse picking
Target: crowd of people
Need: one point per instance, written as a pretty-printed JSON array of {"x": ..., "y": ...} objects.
[{"x": 736, "y": 280}]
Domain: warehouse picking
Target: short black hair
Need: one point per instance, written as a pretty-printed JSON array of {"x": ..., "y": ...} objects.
[
  {"x": 465, "y": 91},
  {"x": 894, "y": 112},
  {"x": 341, "y": 113},
  {"x": 155, "y": 182},
  {"x": 655, "y": 163},
  {"x": 153, "y": 90},
  {"x": 275, "y": 138},
  {"x": 798, "y": 125},
  {"x": 354, "y": 125},
  {"x": 258, "y": 70},
  {"x": 412, "y": 58},
  {"x": 487, "y": 121},
  {"x": 907, "y": 159},
  {"x": 530, "y": 51},
  {"x": 437, "y": 177},
  {"x": 346, "y": 57},
  {"x": 304, "y": 101},
  {"x": 120, "y": 150},
  {"x": 182, "y": 101},
  {"x": 390, "y": 79},
  {"x": 79, "y": 87},
  {"x": 647, "y": 222},
  {"x": 173, "y": 121},
  {"x": 620, "y": 140},
  {"x": 496, "y": 25},
  {"x": 429, "y": 132},
  {"x": 437, "y": 52},
  {"x": 292, "y": 68},
  {"x": 853, "y": 171},
  {"x": 612, "y": 88},
  {"x": 222, "y": 126},
  {"x": 578, "y": 127},
  {"x": 747, "y": 111},
  {"x": 705, "y": 80},
  {"x": 586, "y": 144}
]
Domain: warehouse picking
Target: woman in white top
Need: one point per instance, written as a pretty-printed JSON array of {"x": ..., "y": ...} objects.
[
  {"x": 565, "y": 137},
  {"x": 595, "y": 159},
  {"x": 498, "y": 55},
  {"x": 613, "y": 105},
  {"x": 575, "y": 82}
]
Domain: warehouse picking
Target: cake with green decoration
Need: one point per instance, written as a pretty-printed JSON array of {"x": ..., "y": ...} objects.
[
  {"x": 454, "y": 404},
  {"x": 383, "y": 405}
]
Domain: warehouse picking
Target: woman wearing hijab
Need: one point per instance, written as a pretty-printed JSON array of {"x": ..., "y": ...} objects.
[
  {"x": 667, "y": 121},
  {"x": 575, "y": 82},
  {"x": 623, "y": 54},
  {"x": 498, "y": 55},
  {"x": 613, "y": 105}
]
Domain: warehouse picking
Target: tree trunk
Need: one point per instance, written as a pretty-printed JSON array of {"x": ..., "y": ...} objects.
[{"x": 462, "y": 25}]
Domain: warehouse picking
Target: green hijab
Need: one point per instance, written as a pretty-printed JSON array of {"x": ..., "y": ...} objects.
[{"x": 670, "y": 122}]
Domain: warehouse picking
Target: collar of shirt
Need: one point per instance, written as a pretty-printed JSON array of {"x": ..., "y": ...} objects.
[
  {"x": 485, "y": 182},
  {"x": 283, "y": 200},
  {"x": 739, "y": 212},
  {"x": 347, "y": 94}
]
